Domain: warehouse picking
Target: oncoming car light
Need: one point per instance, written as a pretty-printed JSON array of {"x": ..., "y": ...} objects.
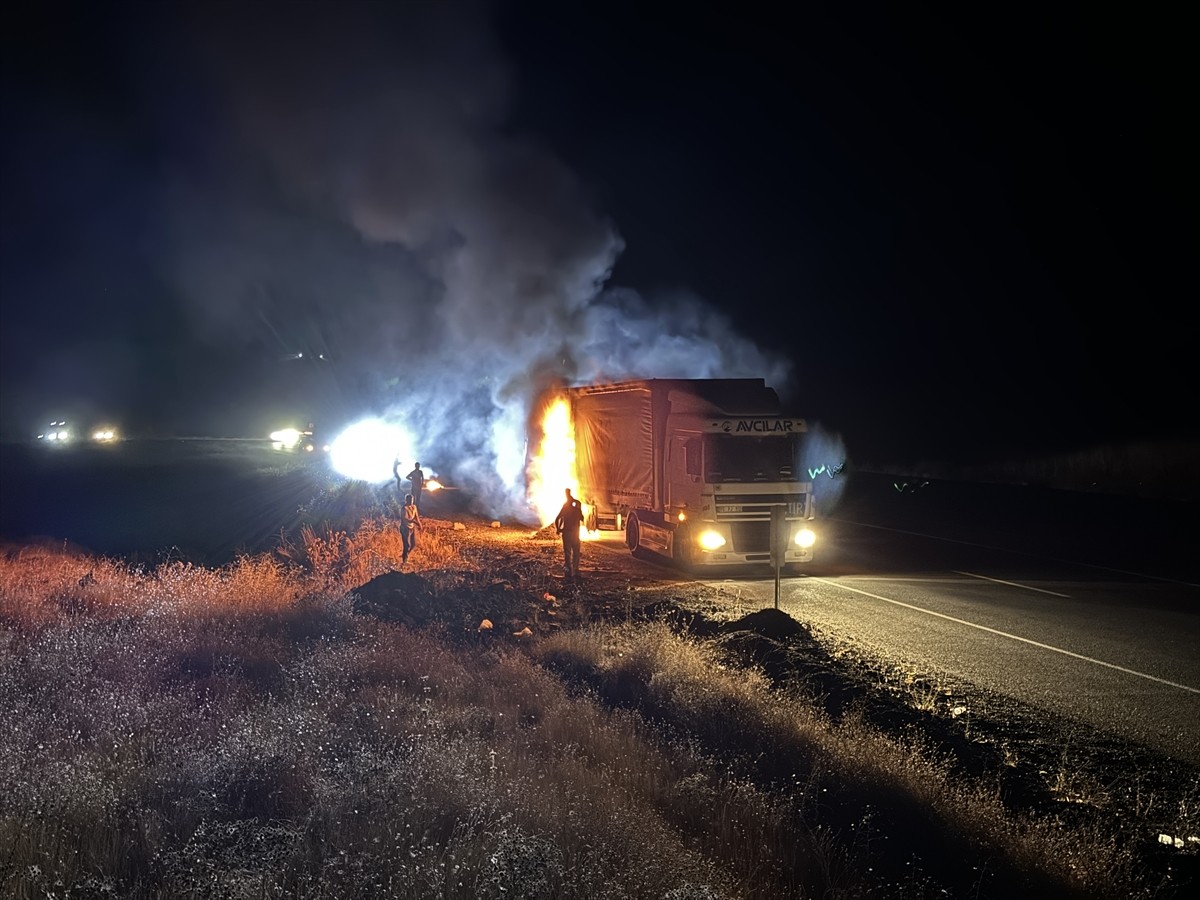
[
  {"x": 711, "y": 540},
  {"x": 58, "y": 433},
  {"x": 367, "y": 450},
  {"x": 286, "y": 438},
  {"x": 805, "y": 538}
]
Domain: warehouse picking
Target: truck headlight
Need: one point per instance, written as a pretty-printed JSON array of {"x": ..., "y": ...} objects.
[
  {"x": 805, "y": 538},
  {"x": 711, "y": 540}
]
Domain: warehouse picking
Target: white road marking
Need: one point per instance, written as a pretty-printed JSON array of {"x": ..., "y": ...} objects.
[
  {"x": 1015, "y": 584},
  {"x": 1015, "y": 637}
]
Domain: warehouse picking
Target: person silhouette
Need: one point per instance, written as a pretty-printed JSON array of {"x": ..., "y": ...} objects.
[
  {"x": 410, "y": 524},
  {"x": 416, "y": 478},
  {"x": 568, "y": 523}
]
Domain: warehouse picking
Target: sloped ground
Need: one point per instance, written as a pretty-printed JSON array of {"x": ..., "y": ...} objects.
[{"x": 1056, "y": 768}]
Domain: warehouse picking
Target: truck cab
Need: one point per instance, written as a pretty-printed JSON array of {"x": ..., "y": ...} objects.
[{"x": 723, "y": 479}]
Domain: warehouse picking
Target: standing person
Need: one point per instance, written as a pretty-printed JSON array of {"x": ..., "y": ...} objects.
[
  {"x": 417, "y": 479},
  {"x": 410, "y": 524},
  {"x": 396, "y": 475},
  {"x": 567, "y": 523}
]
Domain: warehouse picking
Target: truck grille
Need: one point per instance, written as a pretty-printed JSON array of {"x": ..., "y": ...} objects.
[
  {"x": 756, "y": 507},
  {"x": 751, "y": 537}
]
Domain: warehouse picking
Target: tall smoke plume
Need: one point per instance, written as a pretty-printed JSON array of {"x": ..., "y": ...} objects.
[{"x": 376, "y": 209}]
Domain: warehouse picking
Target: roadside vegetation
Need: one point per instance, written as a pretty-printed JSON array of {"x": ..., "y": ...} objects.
[{"x": 315, "y": 722}]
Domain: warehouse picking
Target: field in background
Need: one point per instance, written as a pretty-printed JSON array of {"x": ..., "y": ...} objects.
[{"x": 1163, "y": 470}]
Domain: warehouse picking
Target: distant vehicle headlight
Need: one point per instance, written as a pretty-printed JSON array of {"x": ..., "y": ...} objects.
[
  {"x": 711, "y": 540},
  {"x": 286, "y": 438},
  {"x": 57, "y": 432},
  {"x": 805, "y": 538}
]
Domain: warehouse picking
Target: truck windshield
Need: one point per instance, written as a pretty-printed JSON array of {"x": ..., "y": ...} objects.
[{"x": 730, "y": 458}]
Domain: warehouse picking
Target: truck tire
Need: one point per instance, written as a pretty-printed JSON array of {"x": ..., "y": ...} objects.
[
  {"x": 681, "y": 549},
  {"x": 632, "y": 538}
]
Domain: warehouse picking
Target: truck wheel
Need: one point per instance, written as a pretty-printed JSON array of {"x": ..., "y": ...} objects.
[
  {"x": 632, "y": 538},
  {"x": 681, "y": 549}
]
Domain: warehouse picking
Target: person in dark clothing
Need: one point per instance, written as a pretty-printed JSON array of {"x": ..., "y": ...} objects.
[
  {"x": 410, "y": 524},
  {"x": 568, "y": 523},
  {"x": 416, "y": 478}
]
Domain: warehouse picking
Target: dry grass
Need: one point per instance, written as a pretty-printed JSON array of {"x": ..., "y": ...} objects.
[
  {"x": 175, "y": 753},
  {"x": 902, "y": 787},
  {"x": 233, "y": 732},
  {"x": 341, "y": 559},
  {"x": 239, "y": 731}
]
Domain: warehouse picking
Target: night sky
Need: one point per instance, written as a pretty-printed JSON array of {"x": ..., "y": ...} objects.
[{"x": 941, "y": 232}]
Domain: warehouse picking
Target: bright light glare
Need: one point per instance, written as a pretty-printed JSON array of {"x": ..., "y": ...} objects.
[
  {"x": 712, "y": 540},
  {"x": 805, "y": 538},
  {"x": 288, "y": 437},
  {"x": 366, "y": 450}
]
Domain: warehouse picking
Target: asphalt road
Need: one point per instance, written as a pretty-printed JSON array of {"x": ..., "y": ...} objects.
[{"x": 1080, "y": 616}]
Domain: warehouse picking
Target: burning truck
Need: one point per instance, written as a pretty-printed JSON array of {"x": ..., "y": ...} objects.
[{"x": 695, "y": 469}]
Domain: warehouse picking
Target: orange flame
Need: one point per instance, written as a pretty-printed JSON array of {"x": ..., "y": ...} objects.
[{"x": 552, "y": 468}]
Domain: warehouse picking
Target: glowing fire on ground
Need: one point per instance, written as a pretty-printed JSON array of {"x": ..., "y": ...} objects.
[{"x": 552, "y": 467}]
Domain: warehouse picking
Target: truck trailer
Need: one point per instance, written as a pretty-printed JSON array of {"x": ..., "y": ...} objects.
[{"x": 694, "y": 469}]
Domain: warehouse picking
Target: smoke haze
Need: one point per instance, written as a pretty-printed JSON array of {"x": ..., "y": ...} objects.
[{"x": 351, "y": 190}]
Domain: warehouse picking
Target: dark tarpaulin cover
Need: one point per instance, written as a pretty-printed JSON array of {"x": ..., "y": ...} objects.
[
  {"x": 614, "y": 446},
  {"x": 707, "y": 397}
]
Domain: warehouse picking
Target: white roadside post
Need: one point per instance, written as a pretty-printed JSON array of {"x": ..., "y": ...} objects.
[{"x": 779, "y": 542}]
